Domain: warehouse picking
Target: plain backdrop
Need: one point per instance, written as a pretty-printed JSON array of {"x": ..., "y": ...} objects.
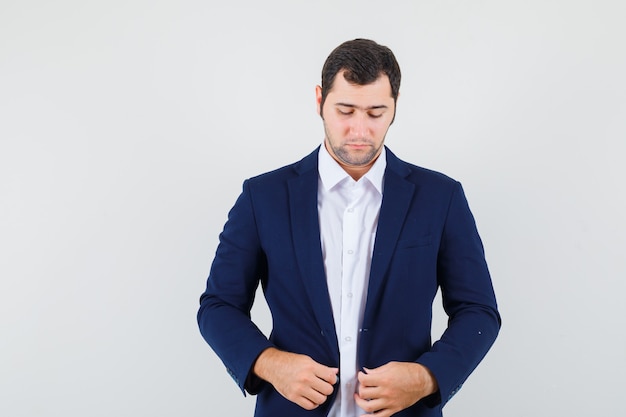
[{"x": 127, "y": 129}]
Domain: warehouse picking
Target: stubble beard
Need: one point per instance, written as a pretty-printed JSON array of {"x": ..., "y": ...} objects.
[{"x": 354, "y": 157}]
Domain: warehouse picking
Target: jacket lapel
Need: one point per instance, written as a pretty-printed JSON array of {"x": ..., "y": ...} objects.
[
  {"x": 306, "y": 240},
  {"x": 397, "y": 195}
]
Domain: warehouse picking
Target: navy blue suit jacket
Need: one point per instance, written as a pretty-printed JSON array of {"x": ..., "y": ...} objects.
[{"x": 426, "y": 239}]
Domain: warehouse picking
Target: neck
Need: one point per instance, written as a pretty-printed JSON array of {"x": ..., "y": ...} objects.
[{"x": 356, "y": 171}]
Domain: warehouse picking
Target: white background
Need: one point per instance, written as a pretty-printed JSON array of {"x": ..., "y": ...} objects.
[{"x": 127, "y": 128}]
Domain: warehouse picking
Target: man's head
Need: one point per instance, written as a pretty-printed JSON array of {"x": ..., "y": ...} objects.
[
  {"x": 357, "y": 102},
  {"x": 361, "y": 62}
]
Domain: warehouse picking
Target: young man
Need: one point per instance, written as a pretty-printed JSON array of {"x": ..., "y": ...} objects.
[{"x": 350, "y": 245}]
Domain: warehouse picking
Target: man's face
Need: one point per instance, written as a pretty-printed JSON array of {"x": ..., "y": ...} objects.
[{"x": 356, "y": 120}]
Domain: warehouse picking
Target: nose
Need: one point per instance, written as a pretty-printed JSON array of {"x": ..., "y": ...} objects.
[{"x": 358, "y": 126}]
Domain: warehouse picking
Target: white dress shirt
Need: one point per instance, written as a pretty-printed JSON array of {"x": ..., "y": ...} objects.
[{"x": 348, "y": 216}]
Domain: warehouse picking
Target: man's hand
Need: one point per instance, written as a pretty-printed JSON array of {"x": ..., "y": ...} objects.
[
  {"x": 393, "y": 387},
  {"x": 296, "y": 377}
]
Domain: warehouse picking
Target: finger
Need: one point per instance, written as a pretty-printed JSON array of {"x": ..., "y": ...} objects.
[
  {"x": 368, "y": 393},
  {"x": 322, "y": 387},
  {"x": 324, "y": 382},
  {"x": 327, "y": 374},
  {"x": 367, "y": 380},
  {"x": 360, "y": 401},
  {"x": 306, "y": 403},
  {"x": 369, "y": 406},
  {"x": 330, "y": 375},
  {"x": 315, "y": 397},
  {"x": 361, "y": 376}
]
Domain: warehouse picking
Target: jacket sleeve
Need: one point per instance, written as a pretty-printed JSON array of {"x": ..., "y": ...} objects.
[
  {"x": 468, "y": 300},
  {"x": 224, "y": 315}
]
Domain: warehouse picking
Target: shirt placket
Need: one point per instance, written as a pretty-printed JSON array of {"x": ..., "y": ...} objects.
[{"x": 350, "y": 257}]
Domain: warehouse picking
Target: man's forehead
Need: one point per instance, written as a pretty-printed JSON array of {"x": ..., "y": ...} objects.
[{"x": 372, "y": 95}]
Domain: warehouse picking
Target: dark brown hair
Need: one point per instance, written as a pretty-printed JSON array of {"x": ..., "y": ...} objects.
[{"x": 362, "y": 61}]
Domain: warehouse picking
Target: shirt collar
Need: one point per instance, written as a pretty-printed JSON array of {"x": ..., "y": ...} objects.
[{"x": 331, "y": 173}]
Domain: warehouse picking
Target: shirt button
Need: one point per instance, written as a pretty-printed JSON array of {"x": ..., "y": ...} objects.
[
  {"x": 349, "y": 295},
  {"x": 350, "y": 210},
  {"x": 348, "y": 339},
  {"x": 350, "y": 252}
]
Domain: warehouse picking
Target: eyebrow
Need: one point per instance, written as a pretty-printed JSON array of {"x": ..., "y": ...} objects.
[{"x": 378, "y": 106}]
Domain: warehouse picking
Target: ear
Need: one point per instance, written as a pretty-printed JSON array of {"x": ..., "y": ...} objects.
[
  {"x": 395, "y": 109},
  {"x": 318, "y": 99}
]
